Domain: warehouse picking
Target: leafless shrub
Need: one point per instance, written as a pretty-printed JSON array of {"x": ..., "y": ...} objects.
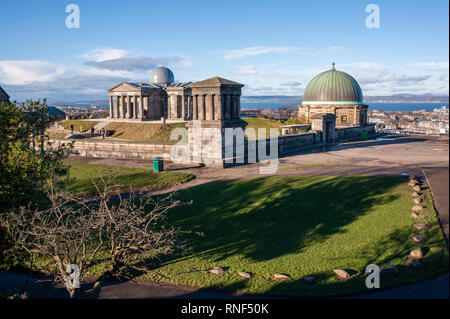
[{"x": 128, "y": 229}]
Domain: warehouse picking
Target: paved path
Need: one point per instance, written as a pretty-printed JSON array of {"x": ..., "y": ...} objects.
[{"x": 438, "y": 179}]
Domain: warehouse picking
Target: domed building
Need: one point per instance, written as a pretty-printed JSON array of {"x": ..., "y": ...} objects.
[
  {"x": 162, "y": 76},
  {"x": 214, "y": 99},
  {"x": 334, "y": 92}
]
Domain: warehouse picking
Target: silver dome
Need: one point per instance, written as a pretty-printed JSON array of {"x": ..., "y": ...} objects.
[{"x": 161, "y": 76}]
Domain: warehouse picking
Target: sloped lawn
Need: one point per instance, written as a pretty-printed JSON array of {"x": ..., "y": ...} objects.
[
  {"x": 301, "y": 226},
  {"x": 81, "y": 174}
]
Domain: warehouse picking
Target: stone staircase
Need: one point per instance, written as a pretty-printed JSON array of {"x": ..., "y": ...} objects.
[{"x": 101, "y": 125}]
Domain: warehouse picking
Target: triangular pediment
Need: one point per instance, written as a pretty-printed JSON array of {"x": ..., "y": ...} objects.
[
  {"x": 124, "y": 87},
  {"x": 214, "y": 82}
]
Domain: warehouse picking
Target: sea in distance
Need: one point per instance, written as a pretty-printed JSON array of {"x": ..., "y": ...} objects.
[{"x": 394, "y": 107}]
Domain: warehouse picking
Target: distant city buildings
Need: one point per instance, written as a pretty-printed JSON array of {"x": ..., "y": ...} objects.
[{"x": 415, "y": 122}]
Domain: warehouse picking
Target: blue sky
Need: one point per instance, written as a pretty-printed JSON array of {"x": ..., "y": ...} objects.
[{"x": 273, "y": 47}]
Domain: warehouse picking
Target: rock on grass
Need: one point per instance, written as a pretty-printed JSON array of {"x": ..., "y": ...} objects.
[{"x": 341, "y": 274}]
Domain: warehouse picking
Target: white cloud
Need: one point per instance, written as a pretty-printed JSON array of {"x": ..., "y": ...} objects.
[
  {"x": 442, "y": 65},
  {"x": 103, "y": 54},
  {"x": 22, "y": 72},
  {"x": 257, "y": 50}
]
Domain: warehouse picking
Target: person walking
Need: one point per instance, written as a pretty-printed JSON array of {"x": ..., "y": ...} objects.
[
  {"x": 103, "y": 133},
  {"x": 92, "y": 131},
  {"x": 71, "y": 127}
]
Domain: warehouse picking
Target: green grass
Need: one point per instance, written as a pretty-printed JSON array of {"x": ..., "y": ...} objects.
[
  {"x": 143, "y": 131},
  {"x": 301, "y": 226},
  {"x": 256, "y": 123},
  {"x": 78, "y": 125},
  {"x": 143, "y": 179}
]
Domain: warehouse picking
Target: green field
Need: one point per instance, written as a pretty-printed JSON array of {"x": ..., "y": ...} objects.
[
  {"x": 301, "y": 226},
  {"x": 80, "y": 176},
  {"x": 256, "y": 123}
]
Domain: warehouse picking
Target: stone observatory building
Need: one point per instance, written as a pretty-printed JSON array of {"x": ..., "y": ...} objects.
[
  {"x": 214, "y": 99},
  {"x": 333, "y": 92}
]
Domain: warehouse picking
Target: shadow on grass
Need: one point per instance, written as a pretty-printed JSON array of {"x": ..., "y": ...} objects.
[{"x": 265, "y": 218}]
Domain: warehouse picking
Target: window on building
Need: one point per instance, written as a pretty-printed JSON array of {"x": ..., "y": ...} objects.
[{"x": 344, "y": 118}]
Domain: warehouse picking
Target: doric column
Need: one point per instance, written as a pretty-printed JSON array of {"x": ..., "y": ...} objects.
[
  {"x": 117, "y": 106},
  {"x": 188, "y": 107},
  {"x": 141, "y": 107},
  {"x": 203, "y": 98},
  {"x": 111, "y": 105},
  {"x": 183, "y": 107},
  {"x": 124, "y": 110},
  {"x": 129, "y": 110},
  {"x": 218, "y": 107},
  {"x": 151, "y": 107},
  {"x": 209, "y": 107},
  {"x": 135, "y": 106},
  {"x": 195, "y": 108}
]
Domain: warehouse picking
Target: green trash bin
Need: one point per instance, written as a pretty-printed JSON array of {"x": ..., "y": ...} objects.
[
  {"x": 364, "y": 135},
  {"x": 158, "y": 164}
]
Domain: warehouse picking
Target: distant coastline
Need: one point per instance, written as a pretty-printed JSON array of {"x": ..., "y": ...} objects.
[{"x": 394, "y": 107}]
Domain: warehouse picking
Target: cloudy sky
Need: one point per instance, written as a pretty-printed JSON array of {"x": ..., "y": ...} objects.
[{"x": 273, "y": 47}]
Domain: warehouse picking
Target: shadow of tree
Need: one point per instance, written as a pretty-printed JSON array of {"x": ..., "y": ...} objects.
[{"x": 264, "y": 218}]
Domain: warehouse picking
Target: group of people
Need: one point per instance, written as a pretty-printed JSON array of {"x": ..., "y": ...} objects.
[{"x": 101, "y": 131}]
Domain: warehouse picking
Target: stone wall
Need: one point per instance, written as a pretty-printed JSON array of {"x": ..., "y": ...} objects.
[
  {"x": 349, "y": 133},
  {"x": 115, "y": 149},
  {"x": 208, "y": 154}
]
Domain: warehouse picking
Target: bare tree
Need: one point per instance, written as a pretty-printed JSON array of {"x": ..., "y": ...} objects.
[
  {"x": 129, "y": 229},
  {"x": 284, "y": 113}
]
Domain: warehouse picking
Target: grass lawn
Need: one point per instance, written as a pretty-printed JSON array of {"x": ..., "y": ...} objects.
[
  {"x": 53, "y": 134},
  {"x": 81, "y": 174},
  {"x": 78, "y": 125},
  {"x": 256, "y": 123},
  {"x": 302, "y": 226},
  {"x": 143, "y": 131}
]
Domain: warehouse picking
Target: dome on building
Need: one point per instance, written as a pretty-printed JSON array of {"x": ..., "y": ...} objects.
[
  {"x": 333, "y": 87},
  {"x": 161, "y": 76}
]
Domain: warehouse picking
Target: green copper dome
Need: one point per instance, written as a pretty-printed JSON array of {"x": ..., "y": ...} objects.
[{"x": 333, "y": 87}]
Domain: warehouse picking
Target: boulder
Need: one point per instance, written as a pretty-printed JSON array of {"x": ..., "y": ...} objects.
[
  {"x": 417, "y": 208},
  {"x": 417, "y": 188},
  {"x": 417, "y": 216},
  {"x": 389, "y": 270},
  {"x": 280, "y": 277},
  {"x": 418, "y": 238},
  {"x": 341, "y": 274},
  {"x": 244, "y": 275},
  {"x": 417, "y": 201},
  {"x": 413, "y": 183},
  {"x": 218, "y": 271},
  {"x": 416, "y": 253},
  {"x": 415, "y": 263},
  {"x": 415, "y": 194},
  {"x": 309, "y": 279},
  {"x": 422, "y": 226}
]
